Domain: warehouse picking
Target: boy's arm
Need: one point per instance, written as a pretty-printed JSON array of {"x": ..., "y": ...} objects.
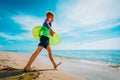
[
  {"x": 48, "y": 25},
  {"x": 51, "y": 31}
]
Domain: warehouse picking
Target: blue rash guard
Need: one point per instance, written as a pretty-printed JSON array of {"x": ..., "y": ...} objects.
[
  {"x": 45, "y": 23},
  {"x": 45, "y": 29}
]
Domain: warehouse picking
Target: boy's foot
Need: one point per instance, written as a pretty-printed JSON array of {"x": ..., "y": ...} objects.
[
  {"x": 57, "y": 65},
  {"x": 27, "y": 69}
]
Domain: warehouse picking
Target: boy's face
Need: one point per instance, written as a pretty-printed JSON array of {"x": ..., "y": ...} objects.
[{"x": 51, "y": 18}]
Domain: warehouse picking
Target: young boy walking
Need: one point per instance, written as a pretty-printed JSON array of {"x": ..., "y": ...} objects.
[{"x": 44, "y": 43}]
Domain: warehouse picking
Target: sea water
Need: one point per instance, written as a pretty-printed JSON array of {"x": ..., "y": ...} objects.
[{"x": 102, "y": 56}]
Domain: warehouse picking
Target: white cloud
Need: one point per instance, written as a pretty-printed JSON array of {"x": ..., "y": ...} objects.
[
  {"x": 76, "y": 18},
  {"x": 4, "y": 35},
  {"x": 99, "y": 27},
  {"x": 24, "y": 36},
  {"x": 113, "y": 43},
  {"x": 27, "y": 22},
  {"x": 81, "y": 13}
]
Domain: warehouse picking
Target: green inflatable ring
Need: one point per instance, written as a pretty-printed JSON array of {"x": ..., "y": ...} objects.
[{"x": 41, "y": 30}]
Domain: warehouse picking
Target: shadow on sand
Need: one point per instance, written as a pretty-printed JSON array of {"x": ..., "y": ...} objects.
[{"x": 19, "y": 74}]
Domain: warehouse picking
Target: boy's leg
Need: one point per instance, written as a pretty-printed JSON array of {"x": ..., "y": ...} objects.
[
  {"x": 33, "y": 58},
  {"x": 51, "y": 57}
]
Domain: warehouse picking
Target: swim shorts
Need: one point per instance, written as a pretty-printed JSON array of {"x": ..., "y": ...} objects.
[{"x": 44, "y": 41}]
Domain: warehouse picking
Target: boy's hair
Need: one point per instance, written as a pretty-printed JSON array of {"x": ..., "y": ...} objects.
[{"x": 49, "y": 13}]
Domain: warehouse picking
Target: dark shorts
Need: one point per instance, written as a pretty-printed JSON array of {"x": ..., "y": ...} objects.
[{"x": 44, "y": 41}]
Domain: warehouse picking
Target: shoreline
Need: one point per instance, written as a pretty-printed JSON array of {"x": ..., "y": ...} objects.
[
  {"x": 110, "y": 57},
  {"x": 14, "y": 63},
  {"x": 87, "y": 69},
  {"x": 81, "y": 61}
]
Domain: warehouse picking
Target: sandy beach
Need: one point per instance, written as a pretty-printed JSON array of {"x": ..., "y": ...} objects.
[{"x": 12, "y": 64}]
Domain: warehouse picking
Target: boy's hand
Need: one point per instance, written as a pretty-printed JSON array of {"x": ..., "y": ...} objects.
[{"x": 51, "y": 32}]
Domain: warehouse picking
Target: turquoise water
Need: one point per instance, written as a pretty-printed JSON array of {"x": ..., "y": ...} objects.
[{"x": 104, "y": 56}]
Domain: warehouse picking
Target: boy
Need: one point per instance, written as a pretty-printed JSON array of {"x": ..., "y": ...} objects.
[{"x": 44, "y": 43}]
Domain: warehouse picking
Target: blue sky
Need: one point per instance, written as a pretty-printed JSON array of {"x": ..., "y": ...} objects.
[{"x": 82, "y": 24}]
